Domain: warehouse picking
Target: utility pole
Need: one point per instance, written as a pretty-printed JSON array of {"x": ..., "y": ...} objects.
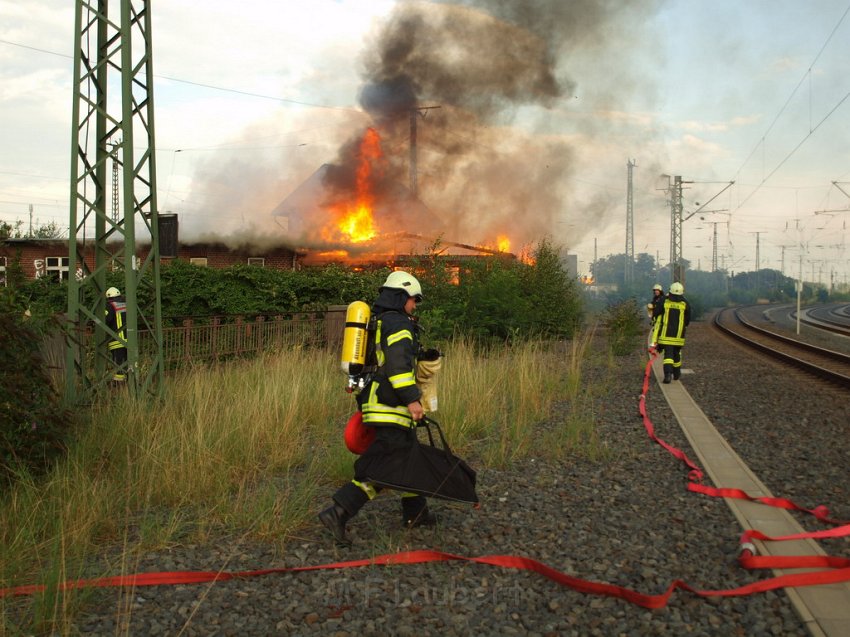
[
  {"x": 714, "y": 245},
  {"x": 112, "y": 51},
  {"x": 676, "y": 267},
  {"x": 30, "y": 234},
  {"x": 758, "y": 267},
  {"x": 799, "y": 285},
  {"x": 115, "y": 173},
  {"x": 594, "y": 254},
  {"x": 419, "y": 111},
  {"x": 676, "y": 263},
  {"x": 628, "y": 277}
]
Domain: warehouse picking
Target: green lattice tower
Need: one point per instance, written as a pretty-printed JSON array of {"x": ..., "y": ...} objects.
[{"x": 113, "y": 116}]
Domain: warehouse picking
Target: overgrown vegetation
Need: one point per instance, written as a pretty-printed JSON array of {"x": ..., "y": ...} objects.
[
  {"x": 251, "y": 449},
  {"x": 624, "y": 322},
  {"x": 499, "y": 299},
  {"x": 34, "y": 427}
]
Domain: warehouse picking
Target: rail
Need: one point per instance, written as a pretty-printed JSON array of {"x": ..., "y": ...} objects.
[{"x": 827, "y": 364}]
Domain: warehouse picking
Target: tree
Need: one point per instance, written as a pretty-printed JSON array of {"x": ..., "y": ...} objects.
[{"x": 49, "y": 230}]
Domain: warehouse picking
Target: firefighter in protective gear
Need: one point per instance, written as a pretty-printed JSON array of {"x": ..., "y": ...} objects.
[
  {"x": 116, "y": 318},
  {"x": 671, "y": 321},
  {"x": 391, "y": 403},
  {"x": 657, "y": 300}
]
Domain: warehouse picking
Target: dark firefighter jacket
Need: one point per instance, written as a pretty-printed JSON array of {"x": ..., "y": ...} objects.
[
  {"x": 657, "y": 302},
  {"x": 671, "y": 318},
  {"x": 116, "y": 316},
  {"x": 384, "y": 401}
]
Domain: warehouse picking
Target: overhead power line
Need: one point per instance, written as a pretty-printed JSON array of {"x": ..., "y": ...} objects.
[
  {"x": 202, "y": 85},
  {"x": 782, "y": 110},
  {"x": 794, "y": 150}
]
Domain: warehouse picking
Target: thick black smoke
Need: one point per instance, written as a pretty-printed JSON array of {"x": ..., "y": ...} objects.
[{"x": 489, "y": 66}]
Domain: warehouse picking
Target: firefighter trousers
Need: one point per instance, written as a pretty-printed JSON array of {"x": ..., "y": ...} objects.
[
  {"x": 353, "y": 495},
  {"x": 672, "y": 360}
]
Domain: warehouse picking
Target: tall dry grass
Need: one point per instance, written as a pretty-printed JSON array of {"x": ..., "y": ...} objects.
[{"x": 249, "y": 448}]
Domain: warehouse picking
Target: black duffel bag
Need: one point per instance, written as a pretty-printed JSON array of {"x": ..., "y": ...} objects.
[{"x": 423, "y": 468}]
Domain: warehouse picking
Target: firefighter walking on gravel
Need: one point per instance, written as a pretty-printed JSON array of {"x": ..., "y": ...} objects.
[
  {"x": 391, "y": 404},
  {"x": 671, "y": 321}
]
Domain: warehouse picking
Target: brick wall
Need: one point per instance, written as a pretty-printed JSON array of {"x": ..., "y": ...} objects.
[{"x": 34, "y": 255}]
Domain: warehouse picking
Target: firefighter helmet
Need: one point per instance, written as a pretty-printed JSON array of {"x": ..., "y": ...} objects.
[
  {"x": 677, "y": 288},
  {"x": 658, "y": 287},
  {"x": 401, "y": 280},
  {"x": 111, "y": 293}
]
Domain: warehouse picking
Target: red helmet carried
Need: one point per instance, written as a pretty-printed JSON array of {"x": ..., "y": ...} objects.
[{"x": 358, "y": 436}]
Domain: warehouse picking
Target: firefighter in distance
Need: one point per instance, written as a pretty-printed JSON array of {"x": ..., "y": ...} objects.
[
  {"x": 671, "y": 321},
  {"x": 116, "y": 318}
]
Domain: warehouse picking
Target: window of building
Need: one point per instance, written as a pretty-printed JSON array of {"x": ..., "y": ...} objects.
[
  {"x": 201, "y": 261},
  {"x": 3, "y": 271},
  {"x": 56, "y": 268},
  {"x": 258, "y": 261}
]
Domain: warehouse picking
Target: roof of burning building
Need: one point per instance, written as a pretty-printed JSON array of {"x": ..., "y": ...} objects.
[{"x": 309, "y": 210}]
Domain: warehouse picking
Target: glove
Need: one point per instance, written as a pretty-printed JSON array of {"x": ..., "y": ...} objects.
[
  {"x": 429, "y": 354},
  {"x": 426, "y": 372}
]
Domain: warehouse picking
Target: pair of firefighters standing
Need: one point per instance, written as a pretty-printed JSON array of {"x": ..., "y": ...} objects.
[{"x": 670, "y": 316}]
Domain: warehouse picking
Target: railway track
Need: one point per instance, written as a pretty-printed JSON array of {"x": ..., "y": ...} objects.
[
  {"x": 834, "y": 319},
  {"x": 824, "y": 363}
]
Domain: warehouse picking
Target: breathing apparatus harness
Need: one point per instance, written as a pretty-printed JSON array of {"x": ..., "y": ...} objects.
[
  {"x": 362, "y": 356},
  {"x": 359, "y": 356}
]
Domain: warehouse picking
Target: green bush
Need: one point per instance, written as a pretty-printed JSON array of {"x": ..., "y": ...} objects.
[
  {"x": 33, "y": 425},
  {"x": 494, "y": 298},
  {"x": 624, "y": 323}
]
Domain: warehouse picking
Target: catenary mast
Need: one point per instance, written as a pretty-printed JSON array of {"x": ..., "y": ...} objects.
[
  {"x": 112, "y": 116},
  {"x": 630, "y": 226}
]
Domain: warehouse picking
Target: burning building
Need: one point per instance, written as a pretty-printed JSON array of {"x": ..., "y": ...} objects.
[{"x": 359, "y": 215}]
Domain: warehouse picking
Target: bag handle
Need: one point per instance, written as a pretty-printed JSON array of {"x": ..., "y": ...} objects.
[{"x": 428, "y": 423}]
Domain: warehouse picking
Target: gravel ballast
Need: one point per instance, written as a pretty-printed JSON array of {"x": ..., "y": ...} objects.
[{"x": 626, "y": 520}]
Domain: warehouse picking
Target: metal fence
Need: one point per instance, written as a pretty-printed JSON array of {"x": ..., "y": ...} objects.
[
  {"x": 223, "y": 338},
  {"x": 213, "y": 339}
]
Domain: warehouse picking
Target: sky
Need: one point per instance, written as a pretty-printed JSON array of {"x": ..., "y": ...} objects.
[{"x": 542, "y": 105}]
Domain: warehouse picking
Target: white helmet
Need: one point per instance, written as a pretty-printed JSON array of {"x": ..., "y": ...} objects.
[
  {"x": 677, "y": 288},
  {"x": 658, "y": 287},
  {"x": 401, "y": 280},
  {"x": 111, "y": 293}
]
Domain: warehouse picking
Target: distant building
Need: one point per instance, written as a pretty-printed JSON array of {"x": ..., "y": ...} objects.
[{"x": 49, "y": 257}]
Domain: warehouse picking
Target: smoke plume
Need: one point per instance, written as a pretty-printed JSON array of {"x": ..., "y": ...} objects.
[
  {"x": 505, "y": 95},
  {"x": 491, "y": 158}
]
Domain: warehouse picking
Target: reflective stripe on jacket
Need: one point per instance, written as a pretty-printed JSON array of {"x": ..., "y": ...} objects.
[
  {"x": 393, "y": 387},
  {"x": 671, "y": 320},
  {"x": 116, "y": 313}
]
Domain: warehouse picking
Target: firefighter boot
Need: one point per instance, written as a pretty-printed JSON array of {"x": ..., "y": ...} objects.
[
  {"x": 415, "y": 512},
  {"x": 677, "y": 373},
  {"x": 668, "y": 376},
  {"x": 334, "y": 519}
]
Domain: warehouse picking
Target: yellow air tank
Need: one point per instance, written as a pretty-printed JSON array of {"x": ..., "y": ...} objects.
[{"x": 354, "y": 340}]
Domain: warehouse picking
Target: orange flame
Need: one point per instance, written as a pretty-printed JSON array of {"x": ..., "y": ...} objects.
[
  {"x": 503, "y": 244},
  {"x": 356, "y": 222}
]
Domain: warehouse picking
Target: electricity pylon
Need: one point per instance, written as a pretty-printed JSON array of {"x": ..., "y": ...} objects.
[
  {"x": 113, "y": 99},
  {"x": 630, "y": 226},
  {"x": 419, "y": 111},
  {"x": 677, "y": 268}
]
